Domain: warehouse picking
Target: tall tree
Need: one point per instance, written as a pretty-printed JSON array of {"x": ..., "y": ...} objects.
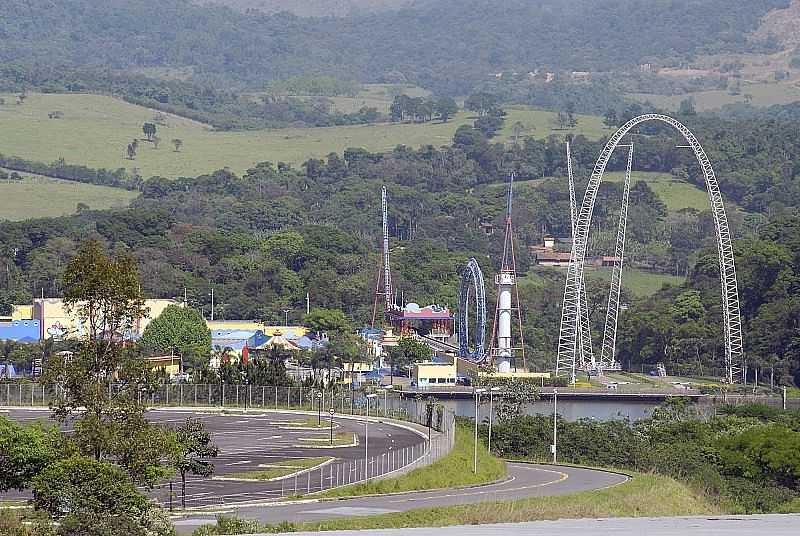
[
  {"x": 445, "y": 108},
  {"x": 180, "y": 329},
  {"x": 102, "y": 380},
  {"x": 193, "y": 447},
  {"x": 149, "y": 130}
]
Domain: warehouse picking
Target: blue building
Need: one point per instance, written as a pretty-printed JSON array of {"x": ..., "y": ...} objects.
[
  {"x": 20, "y": 331},
  {"x": 240, "y": 342}
]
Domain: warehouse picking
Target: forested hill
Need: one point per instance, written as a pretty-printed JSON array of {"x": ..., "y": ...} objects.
[
  {"x": 447, "y": 45},
  {"x": 311, "y": 8}
]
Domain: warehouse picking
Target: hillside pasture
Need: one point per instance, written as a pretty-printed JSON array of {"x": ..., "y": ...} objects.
[
  {"x": 42, "y": 197},
  {"x": 761, "y": 94},
  {"x": 95, "y": 130},
  {"x": 675, "y": 193}
]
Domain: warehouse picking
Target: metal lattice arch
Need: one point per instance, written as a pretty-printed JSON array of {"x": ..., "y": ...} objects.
[
  {"x": 472, "y": 279},
  {"x": 568, "y": 335}
]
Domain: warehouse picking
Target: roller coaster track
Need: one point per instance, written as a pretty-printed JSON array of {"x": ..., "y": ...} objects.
[{"x": 568, "y": 334}]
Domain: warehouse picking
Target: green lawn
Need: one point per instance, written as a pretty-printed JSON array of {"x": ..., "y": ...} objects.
[
  {"x": 95, "y": 131},
  {"x": 340, "y": 439},
  {"x": 763, "y": 94},
  {"x": 41, "y": 197},
  {"x": 639, "y": 282},
  {"x": 453, "y": 470},
  {"x": 675, "y": 193},
  {"x": 280, "y": 469}
]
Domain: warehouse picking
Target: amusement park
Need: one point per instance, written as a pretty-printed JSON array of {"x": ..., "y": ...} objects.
[{"x": 476, "y": 342}]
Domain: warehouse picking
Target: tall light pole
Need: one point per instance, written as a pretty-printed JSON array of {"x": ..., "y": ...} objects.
[
  {"x": 492, "y": 391},
  {"x": 554, "y": 446},
  {"x": 366, "y": 438},
  {"x": 475, "y": 453},
  {"x": 319, "y": 408},
  {"x": 286, "y": 317},
  {"x": 212, "y": 304}
]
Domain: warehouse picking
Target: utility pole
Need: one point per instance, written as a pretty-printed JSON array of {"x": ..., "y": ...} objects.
[
  {"x": 492, "y": 391},
  {"x": 554, "y": 446},
  {"x": 212, "y": 304},
  {"x": 475, "y": 451}
]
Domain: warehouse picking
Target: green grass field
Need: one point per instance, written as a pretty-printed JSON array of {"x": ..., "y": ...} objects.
[
  {"x": 95, "y": 131},
  {"x": 638, "y": 282},
  {"x": 280, "y": 469},
  {"x": 453, "y": 470},
  {"x": 675, "y": 193},
  {"x": 763, "y": 94},
  {"x": 43, "y": 197}
]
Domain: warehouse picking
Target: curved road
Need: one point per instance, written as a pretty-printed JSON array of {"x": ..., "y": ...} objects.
[
  {"x": 525, "y": 480},
  {"x": 249, "y": 440}
]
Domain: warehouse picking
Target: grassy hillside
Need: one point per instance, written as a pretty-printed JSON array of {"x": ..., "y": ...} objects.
[
  {"x": 40, "y": 197},
  {"x": 758, "y": 94},
  {"x": 675, "y": 193},
  {"x": 95, "y": 131}
]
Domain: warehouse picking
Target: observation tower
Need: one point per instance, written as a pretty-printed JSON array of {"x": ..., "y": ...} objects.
[{"x": 504, "y": 346}]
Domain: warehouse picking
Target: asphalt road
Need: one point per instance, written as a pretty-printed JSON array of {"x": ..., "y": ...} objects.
[
  {"x": 772, "y": 525},
  {"x": 525, "y": 480},
  {"x": 247, "y": 441}
]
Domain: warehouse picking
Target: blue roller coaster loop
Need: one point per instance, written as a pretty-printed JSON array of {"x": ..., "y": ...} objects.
[{"x": 473, "y": 276}]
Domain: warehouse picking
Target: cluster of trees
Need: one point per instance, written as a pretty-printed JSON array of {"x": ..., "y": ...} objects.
[
  {"x": 87, "y": 480},
  {"x": 60, "y": 169},
  {"x": 421, "y": 110},
  {"x": 445, "y": 46},
  {"x": 744, "y": 458}
]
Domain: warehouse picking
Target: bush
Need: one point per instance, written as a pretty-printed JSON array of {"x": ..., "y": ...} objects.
[{"x": 90, "y": 498}]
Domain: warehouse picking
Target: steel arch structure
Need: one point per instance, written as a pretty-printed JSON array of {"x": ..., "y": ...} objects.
[
  {"x": 473, "y": 277},
  {"x": 568, "y": 334}
]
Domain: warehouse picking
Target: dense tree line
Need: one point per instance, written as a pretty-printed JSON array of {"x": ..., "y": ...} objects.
[
  {"x": 446, "y": 46},
  {"x": 60, "y": 169},
  {"x": 743, "y": 459}
]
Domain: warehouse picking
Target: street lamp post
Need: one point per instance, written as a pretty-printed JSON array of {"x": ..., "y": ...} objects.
[
  {"x": 286, "y": 316},
  {"x": 366, "y": 438},
  {"x": 319, "y": 408},
  {"x": 554, "y": 446},
  {"x": 332, "y": 412},
  {"x": 475, "y": 453},
  {"x": 492, "y": 391}
]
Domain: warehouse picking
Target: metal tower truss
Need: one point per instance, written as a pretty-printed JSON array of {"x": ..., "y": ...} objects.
[
  {"x": 565, "y": 363},
  {"x": 608, "y": 352},
  {"x": 472, "y": 280},
  {"x": 585, "y": 357},
  {"x": 385, "y": 272}
]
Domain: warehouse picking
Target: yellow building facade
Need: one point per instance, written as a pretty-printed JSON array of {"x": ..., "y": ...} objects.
[
  {"x": 294, "y": 332},
  {"x": 55, "y": 321}
]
